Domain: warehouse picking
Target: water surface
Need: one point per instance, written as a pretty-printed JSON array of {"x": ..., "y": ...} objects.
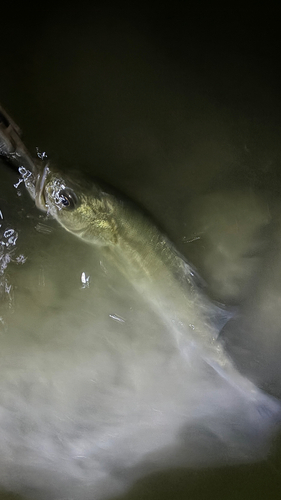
[{"x": 191, "y": 133}]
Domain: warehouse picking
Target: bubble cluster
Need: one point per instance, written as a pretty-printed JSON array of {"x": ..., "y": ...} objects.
[{"x": 8, "y": 256}]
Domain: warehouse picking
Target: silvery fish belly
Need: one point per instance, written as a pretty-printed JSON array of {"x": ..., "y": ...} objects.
[{"x": 111, "y": 367}]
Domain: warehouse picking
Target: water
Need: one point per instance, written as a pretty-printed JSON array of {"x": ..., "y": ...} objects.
[{"x": 196, "y": 143}]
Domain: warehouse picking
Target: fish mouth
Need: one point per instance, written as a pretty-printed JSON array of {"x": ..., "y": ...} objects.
[{"x": 40, "y": 199}]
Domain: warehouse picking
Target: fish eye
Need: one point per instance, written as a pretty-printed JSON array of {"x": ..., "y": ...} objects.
[{"x": 68, "y": 199}]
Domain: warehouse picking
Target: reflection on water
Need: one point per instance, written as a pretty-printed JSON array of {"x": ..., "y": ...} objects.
[{"x": 93, "y": 391}]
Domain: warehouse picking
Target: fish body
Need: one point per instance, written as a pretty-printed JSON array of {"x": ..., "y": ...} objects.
[{"x": 139, "y": 249}]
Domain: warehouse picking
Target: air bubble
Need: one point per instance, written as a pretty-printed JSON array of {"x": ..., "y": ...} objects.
[
  {"x": 85, "y": 280},
  {"x": 41, "y": 154},
  {"x": 11, "y": 235},
  {"x": 117, "y": 318},
  {"x": 8, "y": 255}
]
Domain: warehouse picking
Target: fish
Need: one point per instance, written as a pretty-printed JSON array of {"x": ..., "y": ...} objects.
[{"x": 102, "y": 217}]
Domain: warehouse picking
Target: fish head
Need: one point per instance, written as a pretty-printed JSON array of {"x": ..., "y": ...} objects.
[{"x": 82, "y": 208}]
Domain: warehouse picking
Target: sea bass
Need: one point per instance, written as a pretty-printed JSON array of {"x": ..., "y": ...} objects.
[{"x": 139, "y": 249}]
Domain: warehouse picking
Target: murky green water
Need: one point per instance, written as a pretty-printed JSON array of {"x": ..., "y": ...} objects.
[{"x": 188, "y": 126}]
